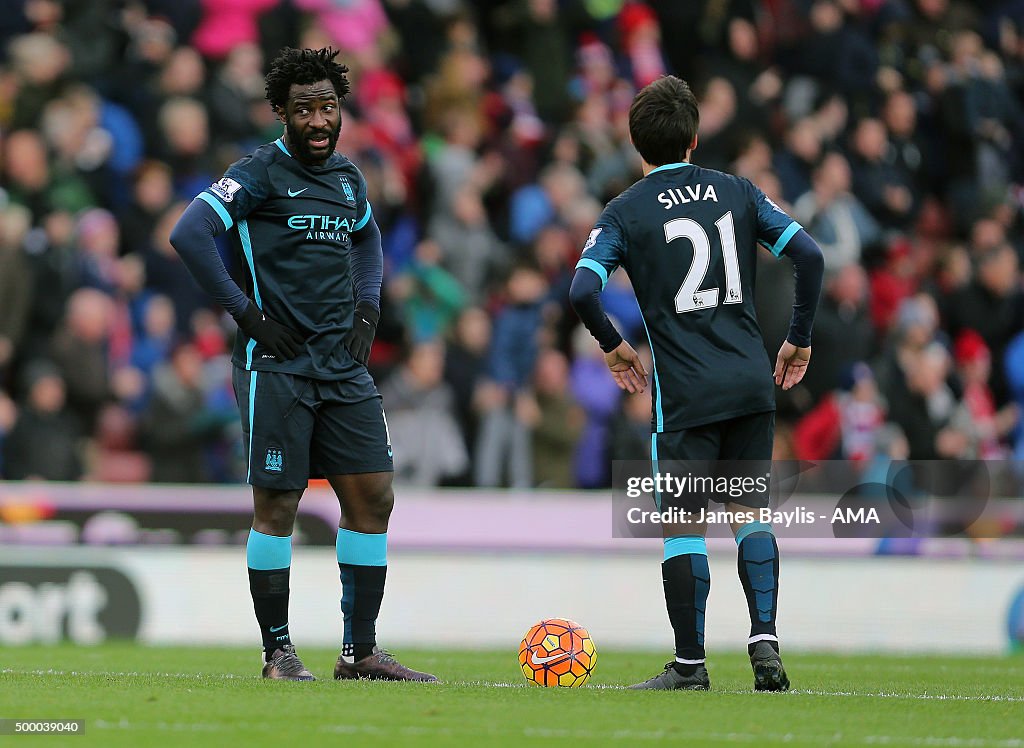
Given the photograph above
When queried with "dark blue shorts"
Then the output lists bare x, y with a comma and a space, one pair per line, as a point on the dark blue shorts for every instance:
733, 449
296, 428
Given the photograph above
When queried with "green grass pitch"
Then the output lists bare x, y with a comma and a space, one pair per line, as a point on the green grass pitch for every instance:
132, 696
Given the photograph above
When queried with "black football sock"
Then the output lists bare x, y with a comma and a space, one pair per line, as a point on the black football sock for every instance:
758, 565
687, 582
362, 561
269, 560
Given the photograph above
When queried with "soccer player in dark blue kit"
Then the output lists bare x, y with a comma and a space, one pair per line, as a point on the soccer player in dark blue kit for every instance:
688, 239
297, 217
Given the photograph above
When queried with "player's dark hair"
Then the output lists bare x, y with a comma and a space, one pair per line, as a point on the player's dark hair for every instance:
304, 66
663, 120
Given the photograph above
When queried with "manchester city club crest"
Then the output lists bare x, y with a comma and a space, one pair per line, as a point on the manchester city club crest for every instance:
275, 460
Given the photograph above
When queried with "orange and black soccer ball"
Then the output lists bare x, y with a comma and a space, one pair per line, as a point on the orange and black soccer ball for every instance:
557, 652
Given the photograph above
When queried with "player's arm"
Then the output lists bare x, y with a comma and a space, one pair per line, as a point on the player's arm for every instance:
624, 363
808, 272
779, 233
193, 239
603, 253
367, 261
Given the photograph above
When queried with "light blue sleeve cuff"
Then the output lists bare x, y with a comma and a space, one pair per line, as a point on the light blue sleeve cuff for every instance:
783, 240
214, 203
365, 219
597, 267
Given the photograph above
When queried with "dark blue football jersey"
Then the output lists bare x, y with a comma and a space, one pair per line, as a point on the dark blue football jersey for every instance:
687, 237
290, 225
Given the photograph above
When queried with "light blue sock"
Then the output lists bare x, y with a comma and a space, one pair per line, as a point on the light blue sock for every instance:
362, 561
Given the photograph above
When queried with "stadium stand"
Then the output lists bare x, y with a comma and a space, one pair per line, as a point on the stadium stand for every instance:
491, 134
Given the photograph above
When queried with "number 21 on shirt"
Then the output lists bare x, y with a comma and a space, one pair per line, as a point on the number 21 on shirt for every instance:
688, 298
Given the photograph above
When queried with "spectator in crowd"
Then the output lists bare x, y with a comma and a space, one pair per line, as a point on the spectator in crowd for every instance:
555, 420
41, 62
166, 273
894, 279
465, 370
155, 341
29, 180
878, 181
98, 240
504, 437
116, 457
176, 427
80, 352
235, 93
916, 327
934, 421
185, 131
839, 51
430, 297
470, 251
421, 419
992, 305
599, 397
719, 131
640, 39
549, 200
541, 42
453, 164
861, 413
227, 23
51, 256
15, 283
8, 417
152, 194
834, 216
794, 162
45, 441
907, 146
991, 426
756, 85
843, 333
845, 424
552, 251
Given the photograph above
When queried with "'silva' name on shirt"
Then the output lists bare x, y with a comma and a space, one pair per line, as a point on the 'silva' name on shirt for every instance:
686, 194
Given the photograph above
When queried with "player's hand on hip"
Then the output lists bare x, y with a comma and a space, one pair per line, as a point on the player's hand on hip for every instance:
364, 327
627, 368
282, 342
791, 364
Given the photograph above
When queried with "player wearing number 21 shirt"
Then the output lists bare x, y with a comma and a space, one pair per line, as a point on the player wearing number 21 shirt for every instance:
688, 239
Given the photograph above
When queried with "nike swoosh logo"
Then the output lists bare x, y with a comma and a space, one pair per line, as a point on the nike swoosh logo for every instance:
275, 629
296, 192
541, 660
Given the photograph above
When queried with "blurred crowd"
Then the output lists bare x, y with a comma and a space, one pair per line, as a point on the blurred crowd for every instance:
491, 134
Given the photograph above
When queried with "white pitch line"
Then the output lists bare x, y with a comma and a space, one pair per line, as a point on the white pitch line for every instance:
918, 696
794, 692
492, 684
625, 735
128, 674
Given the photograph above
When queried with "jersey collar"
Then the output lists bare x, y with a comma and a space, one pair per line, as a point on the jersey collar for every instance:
665, 167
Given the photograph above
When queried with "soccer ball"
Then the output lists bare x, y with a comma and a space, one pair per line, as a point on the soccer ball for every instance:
557, 652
